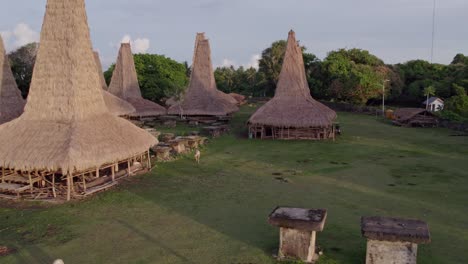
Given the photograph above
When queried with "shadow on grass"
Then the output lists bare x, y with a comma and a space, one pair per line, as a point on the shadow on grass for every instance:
155, 241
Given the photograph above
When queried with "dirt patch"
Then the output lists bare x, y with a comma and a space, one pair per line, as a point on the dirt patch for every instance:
5, 251
277, 173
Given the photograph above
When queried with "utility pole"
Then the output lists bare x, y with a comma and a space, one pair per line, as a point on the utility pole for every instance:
383, 96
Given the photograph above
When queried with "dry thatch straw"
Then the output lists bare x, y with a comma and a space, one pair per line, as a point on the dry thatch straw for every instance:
202, 97
11, 102
115, 105
293, 106
66, 126
124, 84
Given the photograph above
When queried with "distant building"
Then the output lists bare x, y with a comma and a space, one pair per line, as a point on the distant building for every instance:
435, 104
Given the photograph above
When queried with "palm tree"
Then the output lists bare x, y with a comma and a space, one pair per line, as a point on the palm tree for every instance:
429, 91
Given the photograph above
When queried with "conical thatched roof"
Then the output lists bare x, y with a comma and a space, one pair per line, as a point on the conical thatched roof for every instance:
202, 96
293, 106
66, 125
99, 69
11, 102
124, 84
115, 105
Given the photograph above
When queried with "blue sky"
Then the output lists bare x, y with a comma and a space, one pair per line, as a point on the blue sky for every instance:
395, 30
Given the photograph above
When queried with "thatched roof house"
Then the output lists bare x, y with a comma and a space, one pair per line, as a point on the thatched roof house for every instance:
202, 97
66, 127
117, 106
415, 117
124, 84
293, 113
11, 102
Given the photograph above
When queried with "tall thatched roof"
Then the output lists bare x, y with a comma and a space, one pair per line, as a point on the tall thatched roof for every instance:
115, 105
66, 125
11, 102
202, 96
293, 106
124, 84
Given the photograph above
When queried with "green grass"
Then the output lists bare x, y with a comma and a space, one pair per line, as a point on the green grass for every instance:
217, 212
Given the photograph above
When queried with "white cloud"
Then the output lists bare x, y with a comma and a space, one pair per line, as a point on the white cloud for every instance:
139, 45
254, 62
21, 35
228, 63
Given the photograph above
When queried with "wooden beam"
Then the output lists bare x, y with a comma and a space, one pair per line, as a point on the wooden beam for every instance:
128, 164
84, 181
30, 181
113, 173
149, 160
53, 186
68, 187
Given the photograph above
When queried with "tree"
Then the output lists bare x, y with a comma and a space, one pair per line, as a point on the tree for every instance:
460, 59
429, 91
159, 77
22, 63
270, 64
458, 104
354, 76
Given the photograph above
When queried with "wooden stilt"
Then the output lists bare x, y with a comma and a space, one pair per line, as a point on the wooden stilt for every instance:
113, 173
68, 187
72, 185
30, 181
3, 174
54, 192
97, 173
149, 160
84, 181
128, 164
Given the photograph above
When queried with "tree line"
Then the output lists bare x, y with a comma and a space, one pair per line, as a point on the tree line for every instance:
346, 75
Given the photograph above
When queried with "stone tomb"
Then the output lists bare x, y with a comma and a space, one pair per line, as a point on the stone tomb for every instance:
298, 229
392, 240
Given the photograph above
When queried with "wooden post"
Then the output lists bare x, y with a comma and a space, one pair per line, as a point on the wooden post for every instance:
84, 181
53, 186
113, 173
97, 173
30, 181
128, 164
149, 161
3, 174
68, 187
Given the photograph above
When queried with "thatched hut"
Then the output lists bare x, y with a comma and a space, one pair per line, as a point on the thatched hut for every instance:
117, 106
66, 142
124, 84
293, 113
415, 117
202, 97
11, 102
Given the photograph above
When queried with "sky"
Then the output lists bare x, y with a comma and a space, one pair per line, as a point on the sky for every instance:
394, 30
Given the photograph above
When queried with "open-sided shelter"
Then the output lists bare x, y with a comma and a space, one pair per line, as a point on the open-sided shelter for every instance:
293, 113
66, 141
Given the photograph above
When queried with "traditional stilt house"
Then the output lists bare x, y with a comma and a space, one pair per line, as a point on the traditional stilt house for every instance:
66, 143
124, 84
202, 97
115, 105
293, 113
11, 102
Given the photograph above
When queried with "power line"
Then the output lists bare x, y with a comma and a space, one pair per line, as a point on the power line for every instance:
433, 30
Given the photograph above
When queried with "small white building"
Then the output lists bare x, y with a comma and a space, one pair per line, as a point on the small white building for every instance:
435, 104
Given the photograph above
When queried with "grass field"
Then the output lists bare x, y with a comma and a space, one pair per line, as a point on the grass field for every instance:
217, 212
